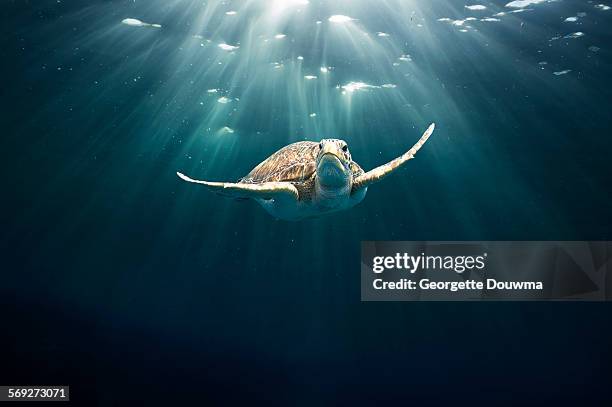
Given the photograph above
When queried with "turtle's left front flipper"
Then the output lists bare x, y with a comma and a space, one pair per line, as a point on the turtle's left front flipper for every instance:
267, 190
379, 173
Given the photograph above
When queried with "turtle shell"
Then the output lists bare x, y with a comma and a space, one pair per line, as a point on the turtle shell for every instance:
293, 163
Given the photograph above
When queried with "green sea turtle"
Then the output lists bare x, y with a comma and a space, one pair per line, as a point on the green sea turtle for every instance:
309, 179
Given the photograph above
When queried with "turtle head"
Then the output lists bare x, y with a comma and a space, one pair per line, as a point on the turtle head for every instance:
334, 173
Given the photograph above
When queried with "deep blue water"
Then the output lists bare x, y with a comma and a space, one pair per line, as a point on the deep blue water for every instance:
127, 283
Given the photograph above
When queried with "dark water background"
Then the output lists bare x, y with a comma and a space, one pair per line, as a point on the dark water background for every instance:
127, 284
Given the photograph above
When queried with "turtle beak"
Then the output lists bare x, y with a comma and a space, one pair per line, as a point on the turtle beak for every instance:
330, 162
330, 169
331, 154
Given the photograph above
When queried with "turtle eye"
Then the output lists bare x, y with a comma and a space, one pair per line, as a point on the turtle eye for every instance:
345, 148
321, 145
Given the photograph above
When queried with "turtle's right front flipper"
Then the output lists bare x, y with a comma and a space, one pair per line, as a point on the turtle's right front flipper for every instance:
382, 171
267, 190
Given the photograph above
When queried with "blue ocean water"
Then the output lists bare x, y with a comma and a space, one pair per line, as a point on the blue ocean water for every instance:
127, 283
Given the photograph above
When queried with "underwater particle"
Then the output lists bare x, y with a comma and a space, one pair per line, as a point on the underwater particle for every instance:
563, 72
523, 3
231, 13
353, 86
577, 34
226, 130
280, 36
301, 58
594, 48
500, 14
227, 47
312, 115
339, 18
382, 34
490, 19
134, 22
224, 100
444, 19
581, 14
463, 30
310, 77
602, 7
405, 58
476, 7
212, 90
543, 63
389, 86
458, 22
319, 22
571, 20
